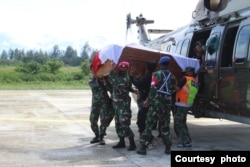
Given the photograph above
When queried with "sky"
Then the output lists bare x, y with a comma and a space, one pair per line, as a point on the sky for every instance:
40, 24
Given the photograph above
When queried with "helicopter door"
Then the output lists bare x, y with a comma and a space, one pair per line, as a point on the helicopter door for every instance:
212, 78
228, 93
241, 66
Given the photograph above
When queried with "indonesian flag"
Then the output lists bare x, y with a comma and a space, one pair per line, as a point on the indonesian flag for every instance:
109, 54
96, 62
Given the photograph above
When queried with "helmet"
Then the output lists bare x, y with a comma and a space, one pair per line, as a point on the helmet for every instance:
123, 64
164, 60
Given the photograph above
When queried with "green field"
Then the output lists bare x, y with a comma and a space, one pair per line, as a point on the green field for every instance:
66, 78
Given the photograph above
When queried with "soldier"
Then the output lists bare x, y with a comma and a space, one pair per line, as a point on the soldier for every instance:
159, 101
143, 85
199, 52
122, 85
101, 107
186, 91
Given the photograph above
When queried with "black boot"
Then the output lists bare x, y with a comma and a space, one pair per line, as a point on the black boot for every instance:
101, 142
167, 149
120, 144
132, 145
159, 134
142, 150
95, 139
150, 143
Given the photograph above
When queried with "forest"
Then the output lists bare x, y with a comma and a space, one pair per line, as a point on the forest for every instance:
39, 69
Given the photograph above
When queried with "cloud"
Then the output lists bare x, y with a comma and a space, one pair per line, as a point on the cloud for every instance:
5, 43
37, 24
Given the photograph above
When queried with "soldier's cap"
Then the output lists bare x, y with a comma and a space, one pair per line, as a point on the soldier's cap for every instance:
164, 60
123, 64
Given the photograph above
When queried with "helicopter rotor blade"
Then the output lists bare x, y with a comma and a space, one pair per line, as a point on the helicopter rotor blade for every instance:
129, 20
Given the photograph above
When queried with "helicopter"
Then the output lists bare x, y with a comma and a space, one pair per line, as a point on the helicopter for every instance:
223, 29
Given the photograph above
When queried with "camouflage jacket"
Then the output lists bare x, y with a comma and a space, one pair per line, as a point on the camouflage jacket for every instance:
99, 92
121, 84
157, 81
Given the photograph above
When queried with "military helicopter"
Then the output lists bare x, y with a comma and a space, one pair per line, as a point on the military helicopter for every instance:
223, 29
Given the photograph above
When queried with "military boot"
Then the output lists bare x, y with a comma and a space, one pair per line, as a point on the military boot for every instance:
95, 139
132, 145
120, 144
167, 149
142, 150
101, 141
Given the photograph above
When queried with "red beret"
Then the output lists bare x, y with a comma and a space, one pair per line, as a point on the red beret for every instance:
123, 64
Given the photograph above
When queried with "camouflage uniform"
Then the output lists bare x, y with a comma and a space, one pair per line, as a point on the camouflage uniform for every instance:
159, 108
180, 123
121, 84
101, 107
121, 101
107, 111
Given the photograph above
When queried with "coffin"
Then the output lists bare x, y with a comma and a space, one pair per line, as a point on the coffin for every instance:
137, 55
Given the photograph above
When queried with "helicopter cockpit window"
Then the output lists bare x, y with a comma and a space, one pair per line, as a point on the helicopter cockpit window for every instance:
184, 47
178, 48
242, 46
168, 48
211, 48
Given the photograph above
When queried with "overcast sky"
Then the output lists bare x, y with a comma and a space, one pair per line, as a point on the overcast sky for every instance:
41, 24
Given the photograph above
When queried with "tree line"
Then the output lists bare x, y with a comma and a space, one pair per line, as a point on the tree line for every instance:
68, 57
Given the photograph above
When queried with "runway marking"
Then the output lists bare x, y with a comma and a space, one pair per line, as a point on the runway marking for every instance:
43, 120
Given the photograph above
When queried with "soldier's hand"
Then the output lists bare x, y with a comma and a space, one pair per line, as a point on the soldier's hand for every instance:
145, 104
135, 91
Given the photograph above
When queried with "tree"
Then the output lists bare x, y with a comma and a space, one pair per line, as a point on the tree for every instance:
4, 55
18, 55
11, 54
30, 54
86, 50
29, 68
85, 67
53, 66
55, 52
70, 57
40, 57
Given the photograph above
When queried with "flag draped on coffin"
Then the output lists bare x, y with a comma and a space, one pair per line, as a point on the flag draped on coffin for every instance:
106, 59
137, 55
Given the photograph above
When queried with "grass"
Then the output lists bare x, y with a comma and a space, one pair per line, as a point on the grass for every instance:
67, 78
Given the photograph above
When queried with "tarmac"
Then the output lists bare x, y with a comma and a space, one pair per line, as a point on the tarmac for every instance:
50, 128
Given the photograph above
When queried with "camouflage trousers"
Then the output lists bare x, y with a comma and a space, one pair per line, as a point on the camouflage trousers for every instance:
156, 113
180, 123
105, 112
123, 118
